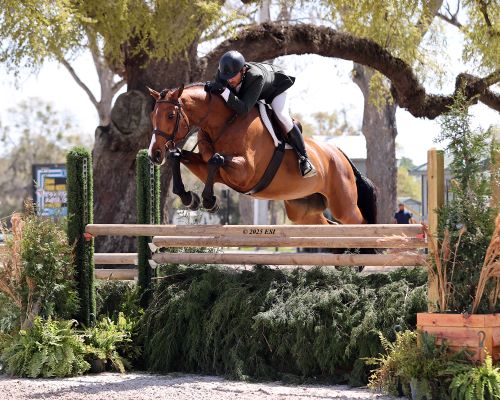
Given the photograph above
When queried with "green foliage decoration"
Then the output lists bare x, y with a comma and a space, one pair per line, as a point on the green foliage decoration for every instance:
470, 206
37, 274
271, 324
9, 315
148, 212
477, 382
80, 213
110, 342
47, 261
49, 348
113, 297
414, 363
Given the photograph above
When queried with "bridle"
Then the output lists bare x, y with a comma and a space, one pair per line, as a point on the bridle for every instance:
170, 138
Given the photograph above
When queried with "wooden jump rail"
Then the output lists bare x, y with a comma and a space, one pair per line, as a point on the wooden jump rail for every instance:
403, 237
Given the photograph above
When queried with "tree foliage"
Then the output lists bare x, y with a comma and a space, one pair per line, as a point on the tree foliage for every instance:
408, 186
36, 133
35, 31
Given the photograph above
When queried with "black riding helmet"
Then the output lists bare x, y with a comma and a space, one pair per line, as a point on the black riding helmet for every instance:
230, 64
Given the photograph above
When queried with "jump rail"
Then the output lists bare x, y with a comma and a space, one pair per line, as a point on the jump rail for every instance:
386, 236
376, 230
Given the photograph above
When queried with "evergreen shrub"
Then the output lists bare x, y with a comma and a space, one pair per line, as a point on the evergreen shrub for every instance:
113, 297
466, 223
275, 324
37, 277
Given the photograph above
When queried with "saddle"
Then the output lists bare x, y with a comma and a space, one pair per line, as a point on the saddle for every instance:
273, 124
279, 136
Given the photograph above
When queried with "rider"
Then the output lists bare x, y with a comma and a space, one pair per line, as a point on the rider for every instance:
241, 84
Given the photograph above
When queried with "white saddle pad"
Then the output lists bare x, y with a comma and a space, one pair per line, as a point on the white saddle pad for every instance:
269, 125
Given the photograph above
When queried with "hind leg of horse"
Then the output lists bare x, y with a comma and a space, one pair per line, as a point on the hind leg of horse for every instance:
342, 198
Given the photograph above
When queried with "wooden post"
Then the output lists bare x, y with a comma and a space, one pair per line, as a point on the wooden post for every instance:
435, 199
495, 171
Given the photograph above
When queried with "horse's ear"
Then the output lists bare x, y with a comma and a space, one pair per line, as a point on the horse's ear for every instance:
153, 93
179, 91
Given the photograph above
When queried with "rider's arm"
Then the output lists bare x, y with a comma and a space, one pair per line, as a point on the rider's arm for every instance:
245, 103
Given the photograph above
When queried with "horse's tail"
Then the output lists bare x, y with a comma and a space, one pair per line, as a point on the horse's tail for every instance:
367, 194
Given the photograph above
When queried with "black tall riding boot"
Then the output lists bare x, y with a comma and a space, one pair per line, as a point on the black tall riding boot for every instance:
297, 141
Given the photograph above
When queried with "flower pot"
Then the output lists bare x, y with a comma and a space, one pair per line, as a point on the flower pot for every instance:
478, 333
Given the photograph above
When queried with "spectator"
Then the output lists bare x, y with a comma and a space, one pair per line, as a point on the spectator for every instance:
403, 216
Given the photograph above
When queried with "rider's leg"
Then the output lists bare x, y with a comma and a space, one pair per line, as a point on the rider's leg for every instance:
280, 107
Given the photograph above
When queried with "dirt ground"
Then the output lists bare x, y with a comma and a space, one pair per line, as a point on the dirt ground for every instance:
141, 386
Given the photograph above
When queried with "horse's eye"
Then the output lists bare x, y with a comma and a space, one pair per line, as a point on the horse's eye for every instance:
171, 116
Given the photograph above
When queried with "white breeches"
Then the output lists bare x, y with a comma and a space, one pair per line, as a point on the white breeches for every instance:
281, 109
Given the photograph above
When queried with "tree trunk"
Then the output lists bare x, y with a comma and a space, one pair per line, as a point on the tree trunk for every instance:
379, 129
245, 205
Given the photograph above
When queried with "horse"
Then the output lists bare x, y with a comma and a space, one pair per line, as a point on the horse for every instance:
236, 150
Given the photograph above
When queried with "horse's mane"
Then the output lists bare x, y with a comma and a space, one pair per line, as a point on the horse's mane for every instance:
164, 92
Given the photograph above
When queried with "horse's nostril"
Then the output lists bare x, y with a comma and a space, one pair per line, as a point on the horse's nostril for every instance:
157, 156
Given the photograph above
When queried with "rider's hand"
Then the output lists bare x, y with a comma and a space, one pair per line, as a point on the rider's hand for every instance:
214, 87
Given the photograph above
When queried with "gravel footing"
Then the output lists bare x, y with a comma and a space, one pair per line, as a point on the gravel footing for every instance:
141, 386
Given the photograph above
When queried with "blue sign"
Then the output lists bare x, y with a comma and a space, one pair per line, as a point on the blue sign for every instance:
50, 194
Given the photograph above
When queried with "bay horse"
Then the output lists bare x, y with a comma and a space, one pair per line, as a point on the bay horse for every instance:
236, 150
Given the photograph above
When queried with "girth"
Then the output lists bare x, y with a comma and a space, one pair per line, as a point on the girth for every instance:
274, 164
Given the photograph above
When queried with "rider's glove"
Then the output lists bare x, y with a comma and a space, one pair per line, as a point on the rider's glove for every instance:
214, 87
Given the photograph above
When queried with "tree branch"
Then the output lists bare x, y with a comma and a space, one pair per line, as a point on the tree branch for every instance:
79, 81
451, 20
118, 85
483, 7
270, 40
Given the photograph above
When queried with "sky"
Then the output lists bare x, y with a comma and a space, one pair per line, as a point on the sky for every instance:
322, 84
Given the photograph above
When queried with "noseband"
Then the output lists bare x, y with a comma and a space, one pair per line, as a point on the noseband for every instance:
170, 138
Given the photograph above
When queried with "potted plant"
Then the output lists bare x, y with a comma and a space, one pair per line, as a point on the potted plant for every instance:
464, 258
415, 365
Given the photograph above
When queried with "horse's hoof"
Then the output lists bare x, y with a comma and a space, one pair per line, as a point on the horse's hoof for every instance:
211, 205
195, 201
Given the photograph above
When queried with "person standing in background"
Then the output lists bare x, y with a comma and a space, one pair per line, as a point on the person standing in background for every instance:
403, 216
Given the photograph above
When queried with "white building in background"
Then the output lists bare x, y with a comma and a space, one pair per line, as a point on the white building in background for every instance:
354, 147
421, 173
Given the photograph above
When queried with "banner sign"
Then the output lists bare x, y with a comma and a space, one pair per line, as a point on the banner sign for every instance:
50, 194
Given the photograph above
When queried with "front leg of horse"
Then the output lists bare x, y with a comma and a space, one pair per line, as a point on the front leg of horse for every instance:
189, 199
210, 202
